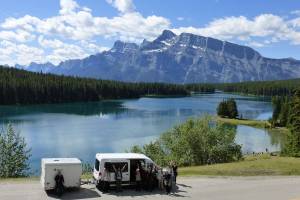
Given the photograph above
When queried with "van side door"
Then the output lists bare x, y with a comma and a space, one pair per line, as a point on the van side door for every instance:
119, 164
126, 172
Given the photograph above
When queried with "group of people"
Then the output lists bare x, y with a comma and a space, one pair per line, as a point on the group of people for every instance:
145, 177
156, 177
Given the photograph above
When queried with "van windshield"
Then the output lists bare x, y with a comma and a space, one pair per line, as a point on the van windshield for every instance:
118, 165
97, 164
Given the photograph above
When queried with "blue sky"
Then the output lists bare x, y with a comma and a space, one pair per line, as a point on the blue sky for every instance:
56, 30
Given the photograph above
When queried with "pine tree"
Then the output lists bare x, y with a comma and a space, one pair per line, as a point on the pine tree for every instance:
232, 109
284, 114
14, 154
222, 109
292, 147
276, 102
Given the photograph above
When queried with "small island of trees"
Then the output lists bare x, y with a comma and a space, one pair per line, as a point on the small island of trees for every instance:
228, 108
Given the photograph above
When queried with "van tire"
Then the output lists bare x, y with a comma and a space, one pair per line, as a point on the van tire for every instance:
99, 185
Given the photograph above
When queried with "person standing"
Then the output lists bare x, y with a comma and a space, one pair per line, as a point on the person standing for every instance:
175, 172
168, 182
151, 178
160, 178
138, 178
119, 177
59, 183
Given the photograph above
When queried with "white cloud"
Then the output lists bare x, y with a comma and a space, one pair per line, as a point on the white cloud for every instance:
73, 32
131, 26
25, 23
19, 35
78, 23
243, 29
12, 53
68, 6
60, 51
93, 48
256, 44
295, 12
50, 43
67, 52
124, 6
180, 18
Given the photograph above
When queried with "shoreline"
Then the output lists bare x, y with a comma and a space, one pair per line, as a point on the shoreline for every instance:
262, 124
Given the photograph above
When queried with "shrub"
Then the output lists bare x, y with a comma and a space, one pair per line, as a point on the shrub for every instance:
195, 142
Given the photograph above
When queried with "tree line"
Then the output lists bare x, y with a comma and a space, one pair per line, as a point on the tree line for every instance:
23, 87
263, 88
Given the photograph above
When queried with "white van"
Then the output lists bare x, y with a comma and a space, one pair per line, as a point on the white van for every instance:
127, 161
70, 168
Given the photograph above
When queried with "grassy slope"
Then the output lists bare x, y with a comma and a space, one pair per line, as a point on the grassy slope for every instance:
261, 165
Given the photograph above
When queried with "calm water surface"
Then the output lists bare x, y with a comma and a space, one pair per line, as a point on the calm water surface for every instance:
83, 129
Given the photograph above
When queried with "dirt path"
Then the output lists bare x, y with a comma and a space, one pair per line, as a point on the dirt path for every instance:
231, 188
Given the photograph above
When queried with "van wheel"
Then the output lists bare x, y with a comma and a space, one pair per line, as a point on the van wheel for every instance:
99, 185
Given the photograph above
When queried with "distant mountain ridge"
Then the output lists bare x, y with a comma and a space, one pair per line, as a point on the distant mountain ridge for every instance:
184, 58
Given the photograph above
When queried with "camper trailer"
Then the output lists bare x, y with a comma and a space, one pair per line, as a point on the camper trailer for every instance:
70, 168
126, 161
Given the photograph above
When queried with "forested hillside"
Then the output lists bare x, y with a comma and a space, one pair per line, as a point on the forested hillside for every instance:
23, 87
265, 88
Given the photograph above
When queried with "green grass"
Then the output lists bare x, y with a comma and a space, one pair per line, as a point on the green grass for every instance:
247, 122
86, 176
261, 165
21, 179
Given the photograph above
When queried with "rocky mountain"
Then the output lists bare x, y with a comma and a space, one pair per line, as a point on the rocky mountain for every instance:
184, 58
36, 67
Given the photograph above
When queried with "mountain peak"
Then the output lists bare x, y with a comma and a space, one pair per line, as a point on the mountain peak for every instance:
121, 47
145, 43
166, 35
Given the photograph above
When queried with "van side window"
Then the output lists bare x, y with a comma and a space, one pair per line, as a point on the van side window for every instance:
97, 164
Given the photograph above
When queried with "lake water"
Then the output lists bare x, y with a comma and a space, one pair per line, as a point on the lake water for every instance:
83, 129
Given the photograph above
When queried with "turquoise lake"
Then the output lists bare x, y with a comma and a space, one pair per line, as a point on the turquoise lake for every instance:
83, 129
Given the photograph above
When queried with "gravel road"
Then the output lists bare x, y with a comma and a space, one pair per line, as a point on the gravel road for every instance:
225, 188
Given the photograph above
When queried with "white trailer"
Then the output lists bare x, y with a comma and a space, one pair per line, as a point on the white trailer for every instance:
70, 168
